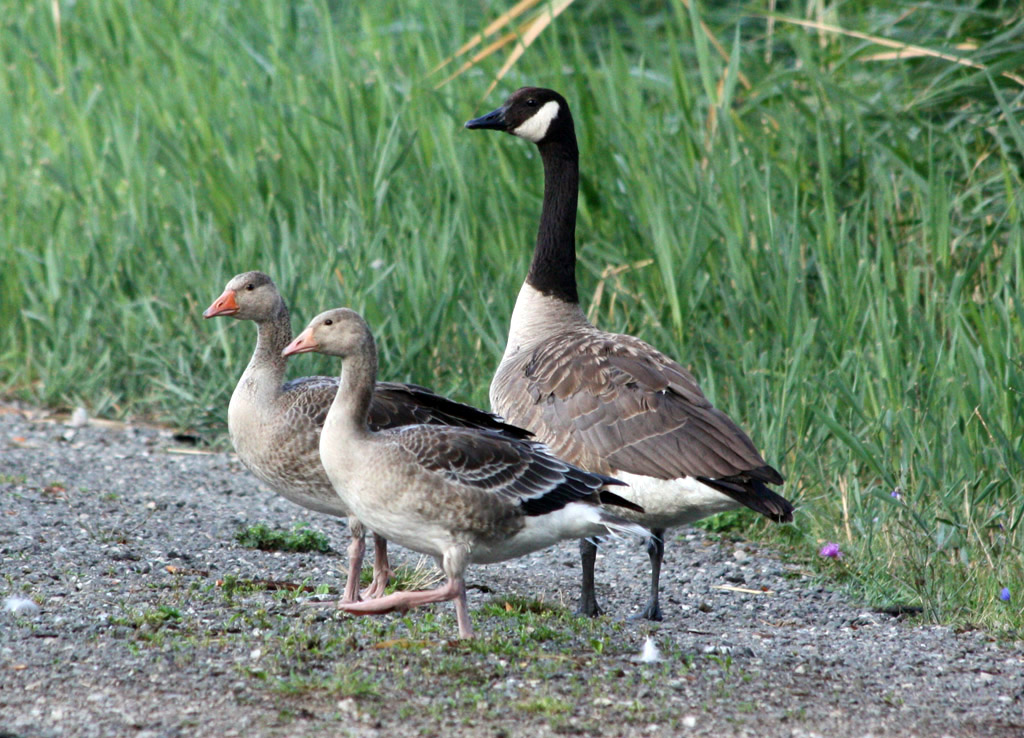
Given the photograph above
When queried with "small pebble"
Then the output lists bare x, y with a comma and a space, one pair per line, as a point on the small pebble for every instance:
79, 418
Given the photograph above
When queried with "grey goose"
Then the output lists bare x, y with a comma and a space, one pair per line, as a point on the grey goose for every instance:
460, 495
609, 402
275, 425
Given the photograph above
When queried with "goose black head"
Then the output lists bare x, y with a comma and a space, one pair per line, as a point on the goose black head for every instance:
533, 113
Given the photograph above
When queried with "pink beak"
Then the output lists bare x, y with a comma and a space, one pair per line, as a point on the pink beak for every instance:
304, 343
223, 305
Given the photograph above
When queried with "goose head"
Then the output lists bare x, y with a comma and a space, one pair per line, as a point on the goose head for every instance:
534, 113
248, 296
339, 332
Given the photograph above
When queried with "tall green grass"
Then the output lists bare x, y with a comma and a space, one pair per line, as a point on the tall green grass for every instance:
836, 250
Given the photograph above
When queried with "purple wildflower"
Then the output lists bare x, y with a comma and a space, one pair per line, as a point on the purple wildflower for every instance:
896, 494
831, 550
1004, 594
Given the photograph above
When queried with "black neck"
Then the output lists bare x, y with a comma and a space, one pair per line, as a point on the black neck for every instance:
553, 270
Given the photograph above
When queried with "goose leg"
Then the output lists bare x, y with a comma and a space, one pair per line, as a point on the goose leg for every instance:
381, 569
403, 600
356, 550
453, 589
656, 550
588, 597
462, 612
454, 565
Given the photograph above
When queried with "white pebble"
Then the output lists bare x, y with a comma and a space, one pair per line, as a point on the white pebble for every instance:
79, 418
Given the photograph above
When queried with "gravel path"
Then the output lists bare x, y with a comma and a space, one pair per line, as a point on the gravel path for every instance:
153, 621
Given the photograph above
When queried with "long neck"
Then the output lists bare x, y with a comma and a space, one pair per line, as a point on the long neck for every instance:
267, 365
553, 270
352, 402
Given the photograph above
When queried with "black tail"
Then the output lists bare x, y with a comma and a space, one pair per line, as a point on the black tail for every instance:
754, 494
608, 497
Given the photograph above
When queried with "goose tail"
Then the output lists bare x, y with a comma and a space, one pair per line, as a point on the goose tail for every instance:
620, 527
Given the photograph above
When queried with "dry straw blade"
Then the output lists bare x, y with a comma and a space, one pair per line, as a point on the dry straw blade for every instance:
530, 30
524, 36
904, 51
502, 20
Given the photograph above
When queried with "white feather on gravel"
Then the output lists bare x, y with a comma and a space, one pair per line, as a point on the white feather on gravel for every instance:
650, 653
20, 605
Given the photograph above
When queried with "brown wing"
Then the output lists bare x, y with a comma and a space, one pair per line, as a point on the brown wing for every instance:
394, 404
307, 400
613, 402
523, 473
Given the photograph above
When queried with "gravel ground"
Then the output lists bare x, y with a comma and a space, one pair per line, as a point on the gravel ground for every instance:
152, 621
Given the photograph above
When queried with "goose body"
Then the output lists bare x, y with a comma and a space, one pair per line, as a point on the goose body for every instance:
611, 402
275, 425
460, 495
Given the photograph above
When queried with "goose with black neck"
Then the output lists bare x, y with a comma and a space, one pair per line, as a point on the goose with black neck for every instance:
611, 402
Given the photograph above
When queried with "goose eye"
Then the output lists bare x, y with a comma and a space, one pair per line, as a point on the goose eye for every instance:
328, 322
531, 102
250, 287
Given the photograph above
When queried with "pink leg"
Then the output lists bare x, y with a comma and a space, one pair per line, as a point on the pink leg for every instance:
404, 600
454, 563
356, 550
462, 612
381, 569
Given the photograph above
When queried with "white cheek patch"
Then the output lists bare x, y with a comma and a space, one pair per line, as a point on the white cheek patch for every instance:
535, 128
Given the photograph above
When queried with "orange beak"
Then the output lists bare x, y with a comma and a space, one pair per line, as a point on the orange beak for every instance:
304, 343
223, 305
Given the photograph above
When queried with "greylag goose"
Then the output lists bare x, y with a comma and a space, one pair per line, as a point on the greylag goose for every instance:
460, 495
275, 425
609, 402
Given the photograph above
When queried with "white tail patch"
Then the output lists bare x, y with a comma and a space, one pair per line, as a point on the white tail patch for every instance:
535, 128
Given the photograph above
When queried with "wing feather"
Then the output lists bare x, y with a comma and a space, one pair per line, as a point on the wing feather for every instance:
520, 472
613, 402
394, 404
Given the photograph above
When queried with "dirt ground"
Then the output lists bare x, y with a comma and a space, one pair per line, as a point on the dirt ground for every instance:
146, 618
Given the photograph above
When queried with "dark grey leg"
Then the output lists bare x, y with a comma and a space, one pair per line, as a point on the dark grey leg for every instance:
655, 549
588, 598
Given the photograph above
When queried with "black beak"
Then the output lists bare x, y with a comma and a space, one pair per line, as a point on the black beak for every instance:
494, 120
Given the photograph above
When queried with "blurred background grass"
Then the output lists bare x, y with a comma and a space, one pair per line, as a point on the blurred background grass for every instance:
828, 236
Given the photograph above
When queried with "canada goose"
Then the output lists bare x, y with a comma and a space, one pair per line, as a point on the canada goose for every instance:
460, 495
609, 402
275, 425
